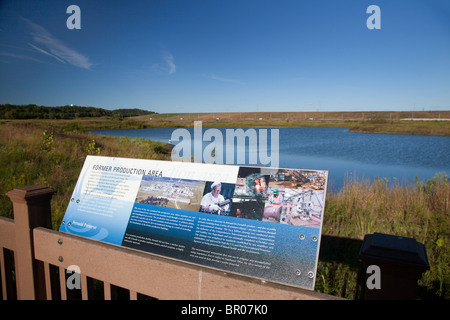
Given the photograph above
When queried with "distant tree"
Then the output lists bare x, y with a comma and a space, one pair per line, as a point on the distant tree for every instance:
32, 111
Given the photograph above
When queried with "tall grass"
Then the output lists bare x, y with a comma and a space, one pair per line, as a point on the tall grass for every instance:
420, 210
368, 206
37, 154
31, 154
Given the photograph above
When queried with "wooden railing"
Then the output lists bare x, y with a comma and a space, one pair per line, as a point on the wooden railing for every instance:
34, 261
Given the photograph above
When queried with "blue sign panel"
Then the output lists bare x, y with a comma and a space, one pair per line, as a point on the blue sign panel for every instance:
261, 222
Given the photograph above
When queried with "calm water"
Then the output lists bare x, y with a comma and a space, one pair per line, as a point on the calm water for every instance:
344, 154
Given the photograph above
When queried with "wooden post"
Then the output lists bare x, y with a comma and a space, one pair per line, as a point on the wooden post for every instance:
31, 207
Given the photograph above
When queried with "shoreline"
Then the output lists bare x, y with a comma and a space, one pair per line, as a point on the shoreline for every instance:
434, 123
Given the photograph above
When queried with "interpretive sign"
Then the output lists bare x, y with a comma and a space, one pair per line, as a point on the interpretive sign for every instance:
256, 221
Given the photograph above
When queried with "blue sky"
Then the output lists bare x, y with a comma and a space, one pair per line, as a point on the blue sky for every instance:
216, 56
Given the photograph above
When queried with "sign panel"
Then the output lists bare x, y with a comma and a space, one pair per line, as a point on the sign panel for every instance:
256, 221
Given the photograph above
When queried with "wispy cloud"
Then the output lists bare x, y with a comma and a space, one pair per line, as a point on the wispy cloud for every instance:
46, 53
168, 58
55, 48
168, 67
18, 56
223, 79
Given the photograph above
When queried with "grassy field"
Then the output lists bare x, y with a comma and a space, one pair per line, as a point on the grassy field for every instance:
429, 123
52, 154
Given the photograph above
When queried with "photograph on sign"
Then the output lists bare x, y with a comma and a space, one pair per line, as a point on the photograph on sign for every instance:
260, 222
170, 192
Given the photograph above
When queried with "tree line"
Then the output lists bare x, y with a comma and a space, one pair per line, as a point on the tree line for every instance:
32, 111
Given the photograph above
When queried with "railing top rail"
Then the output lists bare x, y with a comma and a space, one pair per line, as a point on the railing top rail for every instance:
154, 275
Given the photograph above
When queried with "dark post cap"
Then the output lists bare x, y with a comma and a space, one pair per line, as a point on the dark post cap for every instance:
396, 250
30, 193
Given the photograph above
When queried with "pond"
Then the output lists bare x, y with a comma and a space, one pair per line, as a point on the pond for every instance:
344, 154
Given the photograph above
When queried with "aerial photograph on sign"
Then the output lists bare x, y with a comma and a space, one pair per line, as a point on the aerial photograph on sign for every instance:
171, 192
